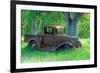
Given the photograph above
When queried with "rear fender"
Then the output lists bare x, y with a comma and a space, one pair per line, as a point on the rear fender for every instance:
65, 43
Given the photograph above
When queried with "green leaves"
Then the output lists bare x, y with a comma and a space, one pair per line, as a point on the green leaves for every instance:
44, 18
26, 20
84, 26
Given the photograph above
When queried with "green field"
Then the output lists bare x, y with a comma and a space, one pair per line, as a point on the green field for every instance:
28, 55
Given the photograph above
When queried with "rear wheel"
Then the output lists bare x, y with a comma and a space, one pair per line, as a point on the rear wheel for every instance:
33, 44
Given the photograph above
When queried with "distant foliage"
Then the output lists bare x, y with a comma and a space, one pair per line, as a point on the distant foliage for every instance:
26, 21
84, 26
40, 19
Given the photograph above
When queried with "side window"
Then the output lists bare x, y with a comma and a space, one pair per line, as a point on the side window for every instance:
49, 29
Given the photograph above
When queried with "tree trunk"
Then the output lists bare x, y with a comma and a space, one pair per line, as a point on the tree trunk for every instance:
72, 23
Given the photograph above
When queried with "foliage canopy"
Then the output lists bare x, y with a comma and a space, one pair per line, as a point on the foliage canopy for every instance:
43, 18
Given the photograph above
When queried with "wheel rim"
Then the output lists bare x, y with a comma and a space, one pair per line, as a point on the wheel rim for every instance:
34, 45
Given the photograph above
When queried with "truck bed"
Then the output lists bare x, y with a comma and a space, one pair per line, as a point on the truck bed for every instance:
29, 37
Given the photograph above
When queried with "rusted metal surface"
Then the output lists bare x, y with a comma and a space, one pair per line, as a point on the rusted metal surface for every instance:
52, 41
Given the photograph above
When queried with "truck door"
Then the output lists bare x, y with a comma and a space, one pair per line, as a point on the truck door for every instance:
48, 40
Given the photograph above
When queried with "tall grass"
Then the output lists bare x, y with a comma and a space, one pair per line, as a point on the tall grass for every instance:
28, 55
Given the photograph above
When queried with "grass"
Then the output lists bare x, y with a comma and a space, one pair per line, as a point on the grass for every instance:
28, 55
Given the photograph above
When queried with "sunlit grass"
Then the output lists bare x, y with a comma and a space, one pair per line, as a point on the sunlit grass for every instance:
28, 55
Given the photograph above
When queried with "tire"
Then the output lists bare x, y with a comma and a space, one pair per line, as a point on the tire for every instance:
33, 44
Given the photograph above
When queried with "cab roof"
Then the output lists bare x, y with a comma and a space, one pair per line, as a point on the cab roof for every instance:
55, 26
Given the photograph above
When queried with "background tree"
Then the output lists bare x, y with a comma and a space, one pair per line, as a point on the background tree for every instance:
76, 24
72, 21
